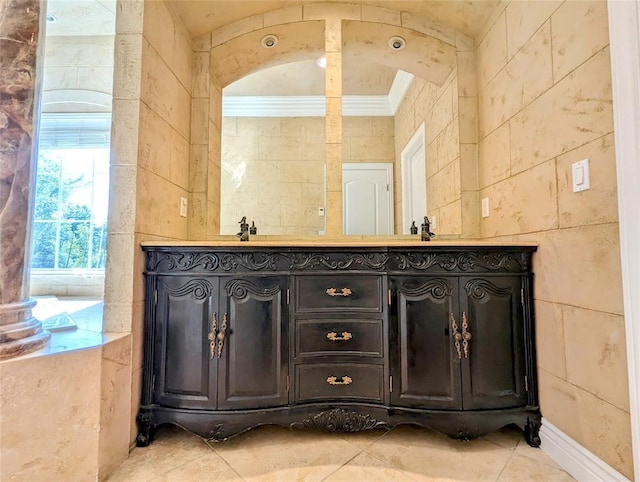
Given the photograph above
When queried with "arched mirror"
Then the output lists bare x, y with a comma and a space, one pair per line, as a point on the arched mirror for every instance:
273, 136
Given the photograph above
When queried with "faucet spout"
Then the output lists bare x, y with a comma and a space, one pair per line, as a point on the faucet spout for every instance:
244, 229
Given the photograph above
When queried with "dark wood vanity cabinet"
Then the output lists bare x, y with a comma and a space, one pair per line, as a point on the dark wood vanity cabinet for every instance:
340, 338
458, 342
220, 343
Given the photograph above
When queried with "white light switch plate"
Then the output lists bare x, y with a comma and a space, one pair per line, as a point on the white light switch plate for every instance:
580, 175
183, 207
485, 207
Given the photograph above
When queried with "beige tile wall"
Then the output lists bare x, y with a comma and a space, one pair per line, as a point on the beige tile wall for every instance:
544, 96
273, 173
151, 147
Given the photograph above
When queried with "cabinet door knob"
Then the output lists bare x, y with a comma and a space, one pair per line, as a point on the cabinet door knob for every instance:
345, 380
333, 336
334, 292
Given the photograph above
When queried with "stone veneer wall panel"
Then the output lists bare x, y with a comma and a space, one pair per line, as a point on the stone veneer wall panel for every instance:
41, 396
544, 103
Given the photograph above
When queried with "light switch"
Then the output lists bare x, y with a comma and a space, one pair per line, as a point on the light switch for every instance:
580, 175
183, 207
485, 207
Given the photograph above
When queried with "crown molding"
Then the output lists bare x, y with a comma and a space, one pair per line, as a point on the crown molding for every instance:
315, 105
398, 89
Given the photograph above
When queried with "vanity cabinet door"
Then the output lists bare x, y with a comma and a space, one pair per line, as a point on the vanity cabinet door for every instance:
184, 369
424, 364
493, 368
253, 358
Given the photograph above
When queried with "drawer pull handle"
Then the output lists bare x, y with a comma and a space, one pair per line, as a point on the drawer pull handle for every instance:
345, 380
333, 336
212, 337
334, 292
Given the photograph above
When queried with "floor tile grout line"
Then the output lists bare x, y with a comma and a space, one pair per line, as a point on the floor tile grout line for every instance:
333, 472
226, 462
513, 451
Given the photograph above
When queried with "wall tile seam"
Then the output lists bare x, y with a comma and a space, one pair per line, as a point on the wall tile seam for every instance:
156, 238
555, 157
173, 72
165, 121
583, 389
582, 308
542, 232
555, 82
164, 179
509, 60
438, 35
490, 23
179, 25
533, 100
548, 19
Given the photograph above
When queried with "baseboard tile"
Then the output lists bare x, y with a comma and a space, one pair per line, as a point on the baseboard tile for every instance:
581, 464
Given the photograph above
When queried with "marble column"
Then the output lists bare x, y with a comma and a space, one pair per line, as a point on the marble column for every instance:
21, 26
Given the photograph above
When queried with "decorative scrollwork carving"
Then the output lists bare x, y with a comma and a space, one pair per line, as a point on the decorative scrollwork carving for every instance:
419, 261
478, 288
339, 261
438, 288
339, 420
372, 260
199, 288
470, 261
311, 260
239, 289
250, 261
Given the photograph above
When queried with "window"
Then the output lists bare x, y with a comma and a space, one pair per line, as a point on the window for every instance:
72, 188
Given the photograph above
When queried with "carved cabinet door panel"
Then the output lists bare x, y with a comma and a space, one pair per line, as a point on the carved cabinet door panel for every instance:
424, 364
493, 368
185, 375
253, 354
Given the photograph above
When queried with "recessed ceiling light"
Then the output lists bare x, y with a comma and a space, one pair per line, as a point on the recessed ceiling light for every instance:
269, 41
322, 62
51, 18
397, 43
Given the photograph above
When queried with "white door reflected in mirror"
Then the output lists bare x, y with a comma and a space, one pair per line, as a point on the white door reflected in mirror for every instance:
414, 180
367, 198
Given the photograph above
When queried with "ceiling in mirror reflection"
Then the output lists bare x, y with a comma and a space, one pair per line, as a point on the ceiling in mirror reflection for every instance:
307, 78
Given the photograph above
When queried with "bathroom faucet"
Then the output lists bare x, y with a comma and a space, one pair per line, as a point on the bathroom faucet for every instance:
244, 229
426, 233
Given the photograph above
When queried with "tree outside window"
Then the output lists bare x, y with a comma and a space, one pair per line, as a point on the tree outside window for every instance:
70, 229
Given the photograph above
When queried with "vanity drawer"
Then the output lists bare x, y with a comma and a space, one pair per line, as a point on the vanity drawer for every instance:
335, 381
359, 337
338, 293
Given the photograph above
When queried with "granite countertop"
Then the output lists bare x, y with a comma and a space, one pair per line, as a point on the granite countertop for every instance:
266, 241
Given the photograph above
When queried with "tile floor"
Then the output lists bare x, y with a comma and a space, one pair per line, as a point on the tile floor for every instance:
403, 454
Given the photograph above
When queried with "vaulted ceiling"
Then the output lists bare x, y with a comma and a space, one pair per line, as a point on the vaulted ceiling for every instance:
202, 16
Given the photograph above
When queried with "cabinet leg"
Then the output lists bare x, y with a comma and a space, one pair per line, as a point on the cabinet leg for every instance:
532, 432
146, 430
